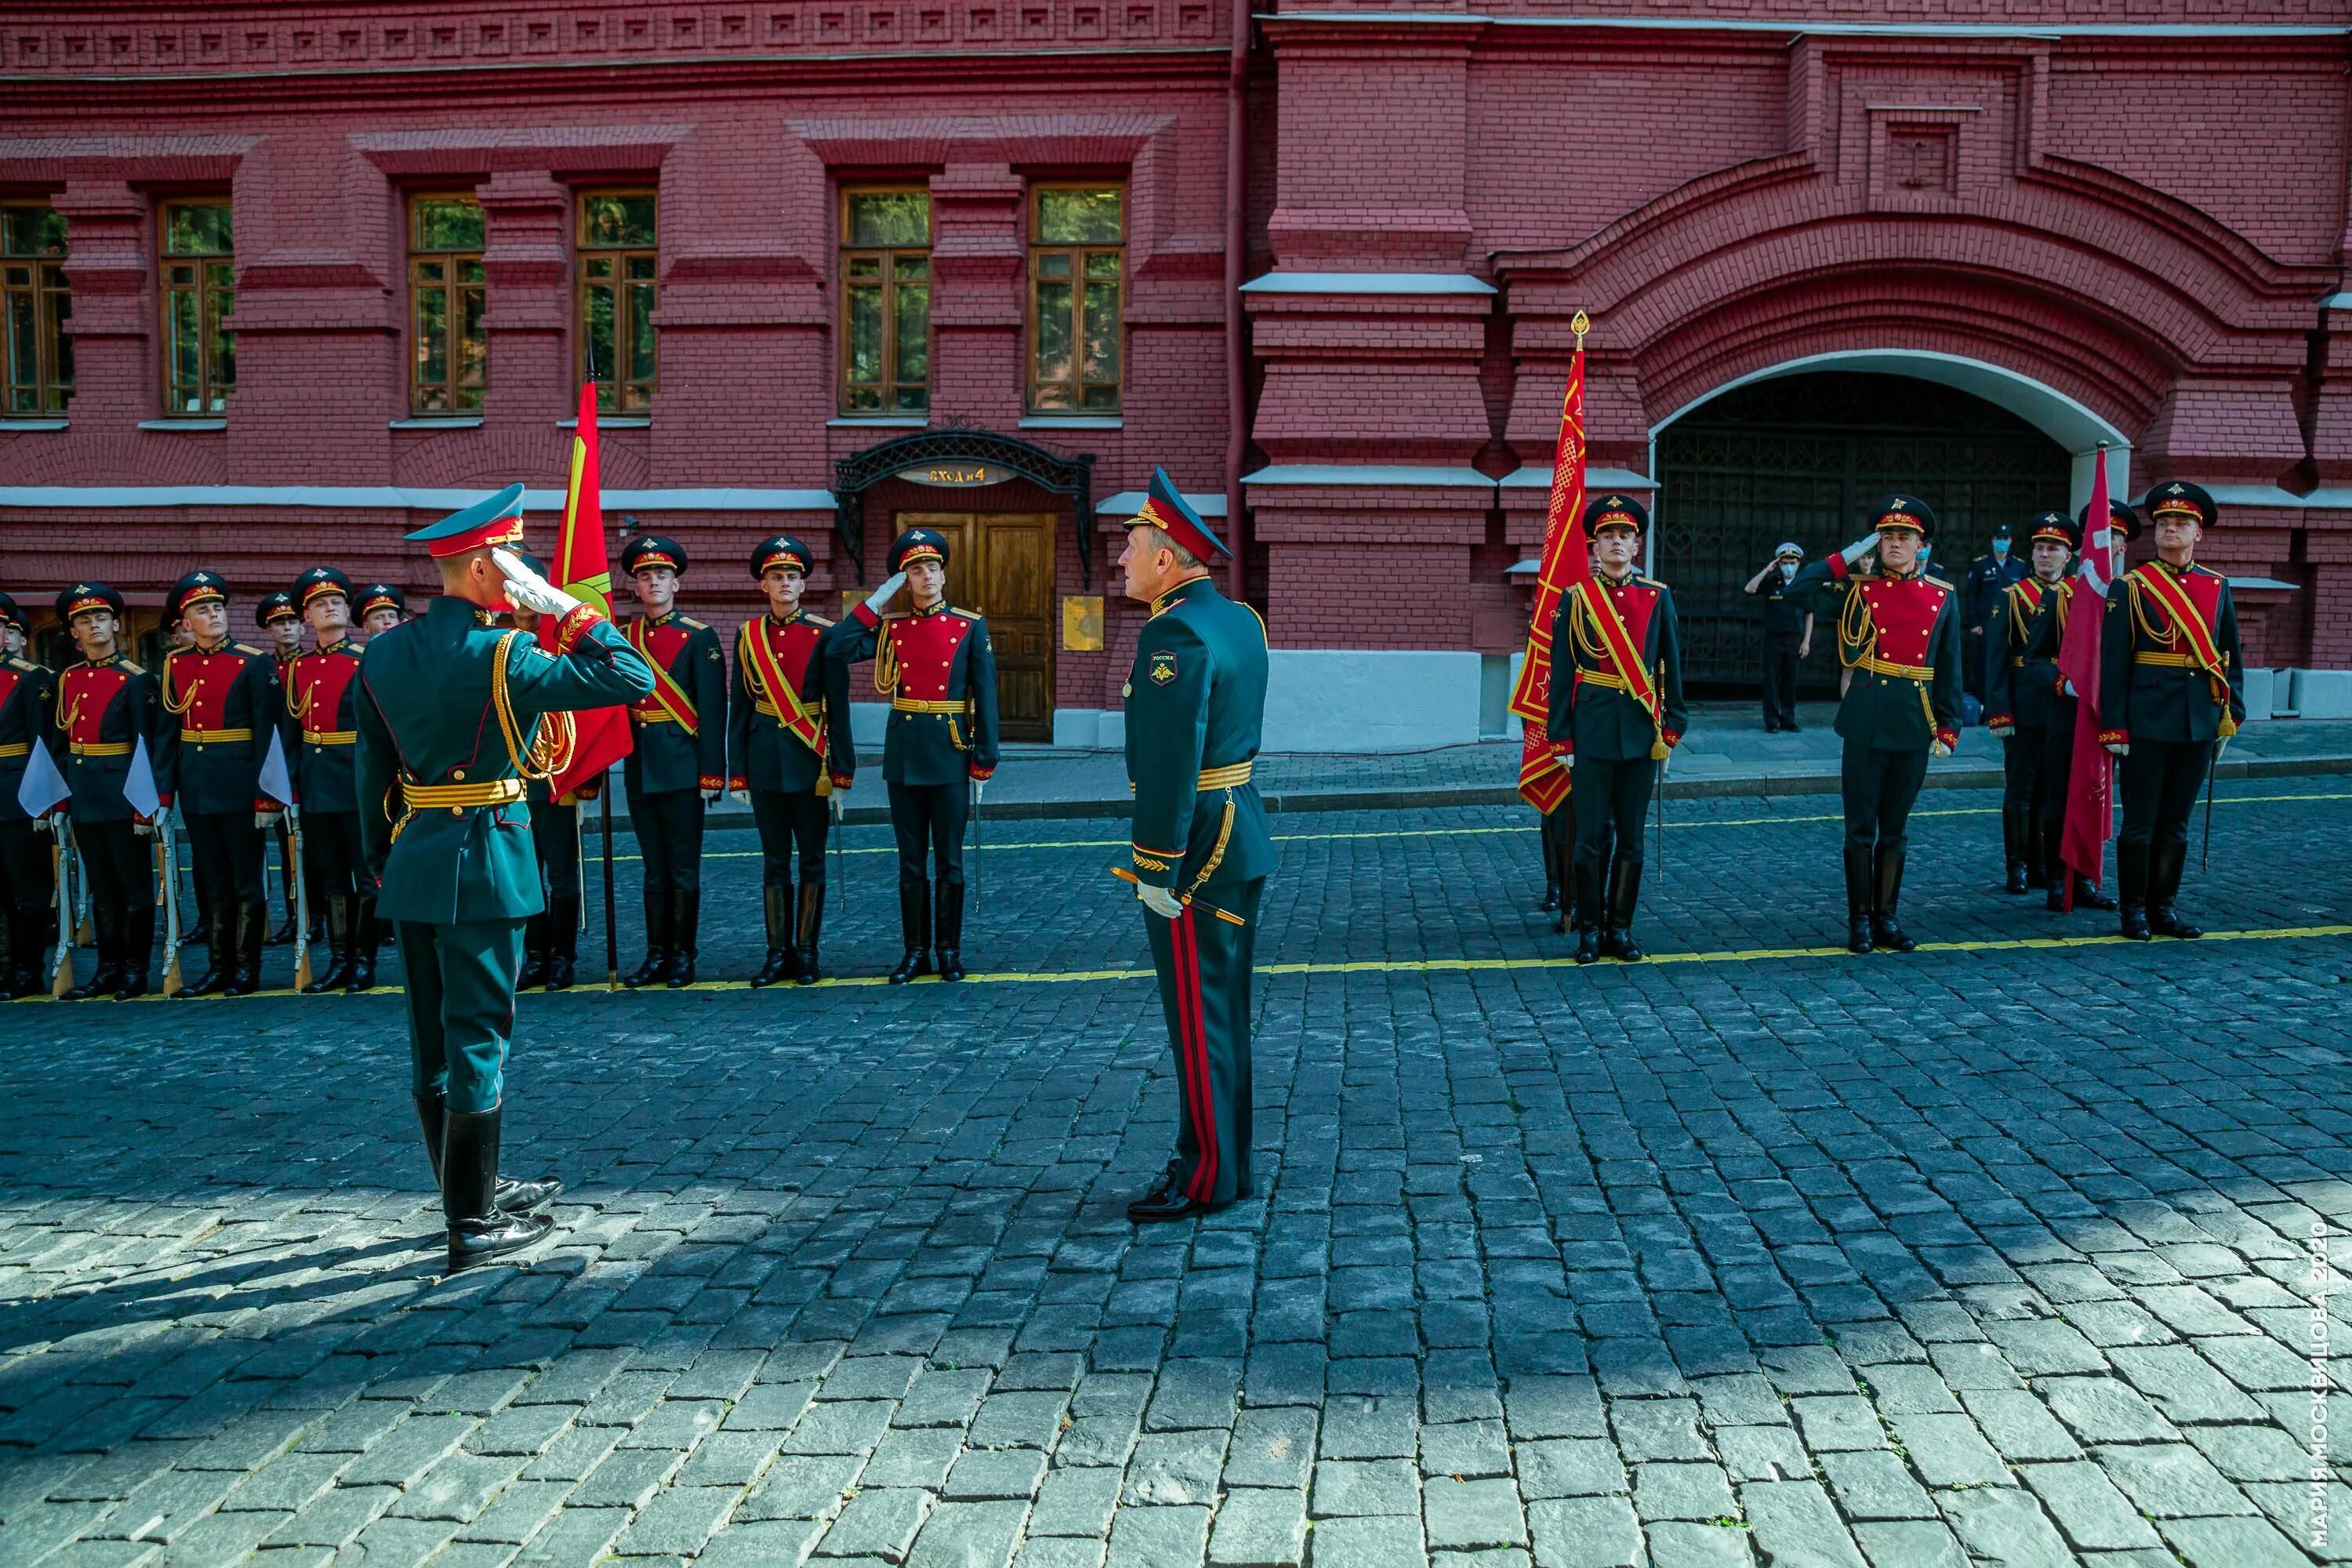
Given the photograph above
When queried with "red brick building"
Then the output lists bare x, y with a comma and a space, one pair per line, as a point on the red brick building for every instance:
282, 279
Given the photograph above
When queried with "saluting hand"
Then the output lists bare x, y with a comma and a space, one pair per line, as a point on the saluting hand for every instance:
529, 589
886, 591
1853, 553
1159, 901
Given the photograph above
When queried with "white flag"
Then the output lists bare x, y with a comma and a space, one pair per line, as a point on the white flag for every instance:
274, 781
139, 789
42, 787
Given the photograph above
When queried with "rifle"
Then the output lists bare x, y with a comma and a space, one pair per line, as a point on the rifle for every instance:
977, 789
302, 899
840, 878
167, 854
65, 868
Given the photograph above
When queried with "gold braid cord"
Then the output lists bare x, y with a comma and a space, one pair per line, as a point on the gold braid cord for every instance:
885, 663
553, 740
175, 709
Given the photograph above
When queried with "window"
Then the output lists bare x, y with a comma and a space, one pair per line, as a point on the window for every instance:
34, 307
1077, 261
886, 301
446, 294
616, 299
199, 296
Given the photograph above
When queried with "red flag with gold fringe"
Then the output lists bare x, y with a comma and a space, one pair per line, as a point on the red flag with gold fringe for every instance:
581, 567
1566, 561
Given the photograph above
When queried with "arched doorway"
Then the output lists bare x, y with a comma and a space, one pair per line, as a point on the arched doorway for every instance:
1798, 457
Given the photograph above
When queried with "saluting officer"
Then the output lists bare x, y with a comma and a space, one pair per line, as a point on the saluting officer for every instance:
381, 607
2040, 672
1788, 633
1621, 707
1196, 718
2171, 685
450, 718
222, 703
550, 939
278, 618
788, 749
936, 667
2018, 709
1899, 638
28, 700
678, 766
106, 706
319, 734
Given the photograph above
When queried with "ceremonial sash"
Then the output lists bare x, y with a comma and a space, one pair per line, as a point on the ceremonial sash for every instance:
668, 692
2025, 598
2188, 624
1619, 643
792, 715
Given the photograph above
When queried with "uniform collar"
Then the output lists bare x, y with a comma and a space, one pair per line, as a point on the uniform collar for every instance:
1889, 575
341, 643
1624, 582
776, 620
664, 618
2175, 571
939, 608
1181, 592
201, 651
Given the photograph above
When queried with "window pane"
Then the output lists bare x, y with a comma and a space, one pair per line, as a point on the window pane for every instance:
1052, 347
473, 344
24, 351
431, 336
32, 231
914, 301
185, 349
596, 332
221, 303
471, 273
1102, 264
865, 267
1102, 333
641, 333
448, 223
600, 267
1055, 265
890, 218
1079, 216
193, 229
639, 266
63, 312
914, 269
865, 335
616, 220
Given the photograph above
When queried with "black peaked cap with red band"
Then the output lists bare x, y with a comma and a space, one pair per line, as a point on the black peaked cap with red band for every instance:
1903, 511
1622, 510
2181, 497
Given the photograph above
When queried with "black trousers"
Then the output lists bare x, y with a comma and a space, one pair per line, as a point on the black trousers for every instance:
333, 855
668, 825
2057, 768
1879, 787
928, 821
1204, 967
1611, 799
2159, 781
555, 834
2025, 769
1779, 681
226, 847
787, 819
121, 867
28, 876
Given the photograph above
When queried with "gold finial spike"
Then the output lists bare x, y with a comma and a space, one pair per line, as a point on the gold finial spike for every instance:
1581, 325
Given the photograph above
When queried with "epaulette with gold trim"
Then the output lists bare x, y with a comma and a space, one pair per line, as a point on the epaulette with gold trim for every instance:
814, 620
248, 650
133, 668
692, 624
1938, 582
967, 615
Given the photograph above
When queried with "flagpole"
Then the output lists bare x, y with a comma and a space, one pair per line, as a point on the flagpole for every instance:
612, 913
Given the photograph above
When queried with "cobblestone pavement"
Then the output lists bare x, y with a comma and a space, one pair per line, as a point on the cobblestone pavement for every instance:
2000, 1252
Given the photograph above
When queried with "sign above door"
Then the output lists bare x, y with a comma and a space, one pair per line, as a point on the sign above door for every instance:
956, 476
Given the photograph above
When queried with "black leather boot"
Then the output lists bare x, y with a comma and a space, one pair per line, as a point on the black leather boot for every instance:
367, 936
108, 973
776, 903
2165, 864
1886, 893
339, 939
1551, 867
658, 938
16, 973
1625, 894
252, 928
479, 1229
220, 954
2041, 861
950, 930
514, 1197
685, 922
138, 953
2131, 891
535, 932
2014, 830
1857, 899
1585, 897
563, 940
914, 929
811, 922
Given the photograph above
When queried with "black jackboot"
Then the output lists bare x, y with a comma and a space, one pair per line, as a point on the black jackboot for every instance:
339, 939
252, 930
1624, 893
2165, 864
515, 1197
914, 929
15, 972
563, 940
109, 974
685, 921
536, 929
367, 936
1585, 897
2131, 891
1857, 899
1551, 866
811, 922
138, 951
2015, 824
657, 942
478, 1229
1885, 930
949, 936
220, 954
776, 903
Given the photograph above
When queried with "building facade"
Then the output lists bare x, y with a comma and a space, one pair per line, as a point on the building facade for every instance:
281, 280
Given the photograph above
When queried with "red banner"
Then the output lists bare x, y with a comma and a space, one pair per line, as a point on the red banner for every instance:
1566, 562
582, 568
2090, 795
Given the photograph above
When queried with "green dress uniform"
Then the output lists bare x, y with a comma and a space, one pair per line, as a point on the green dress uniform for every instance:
450, 722
106, 710
677, 762
321, 733
222, 707
939, 671
1195, 705
1899, 640
1621, 707
787, 748
28, 702
2026, 709
2171, 685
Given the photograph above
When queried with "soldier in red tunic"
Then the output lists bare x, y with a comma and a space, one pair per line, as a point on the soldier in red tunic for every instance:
322, 733
105, 708
2040, 672
28, 700
2019, 710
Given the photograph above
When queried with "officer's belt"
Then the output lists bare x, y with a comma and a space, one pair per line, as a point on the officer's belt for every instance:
813, 709
2016, 662
924, 705
17, 748
202, 736
329, 737
456, 798
1608, 678
658, 716
98, 748
1229, 777
1895, 671
2166, 660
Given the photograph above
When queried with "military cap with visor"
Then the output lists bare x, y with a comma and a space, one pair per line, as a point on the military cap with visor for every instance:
652, 549
918, 544
274, 609
198, 587
320, 581
381, 596
1903, 511
2120, 517
781, 549
1165, 509
2178, 498
11, 615
494, 520
83, 597
1615, 510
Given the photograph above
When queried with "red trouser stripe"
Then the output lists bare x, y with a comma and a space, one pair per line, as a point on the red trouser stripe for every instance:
1186, 947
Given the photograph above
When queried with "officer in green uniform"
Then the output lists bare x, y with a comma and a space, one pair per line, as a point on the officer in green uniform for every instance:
320, 734
28, 702
550, 939
222, 705
936, 667
106, 708
283, 625
449, 721
1899, 638
2171, 690
1195, 712
677, 766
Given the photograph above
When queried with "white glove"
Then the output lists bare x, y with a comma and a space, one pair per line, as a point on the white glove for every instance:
740, 796
45, 822
1159, 901
265, 820
2003, 731
143, 829
529, 589
1853, 553
2119, 748
2069, 690
710, 796
1938, 749
886, 592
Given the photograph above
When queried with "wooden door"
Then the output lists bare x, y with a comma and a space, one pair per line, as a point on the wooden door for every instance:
1001, 567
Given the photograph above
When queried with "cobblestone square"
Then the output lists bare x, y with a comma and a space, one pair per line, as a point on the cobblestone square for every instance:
2001, 1252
